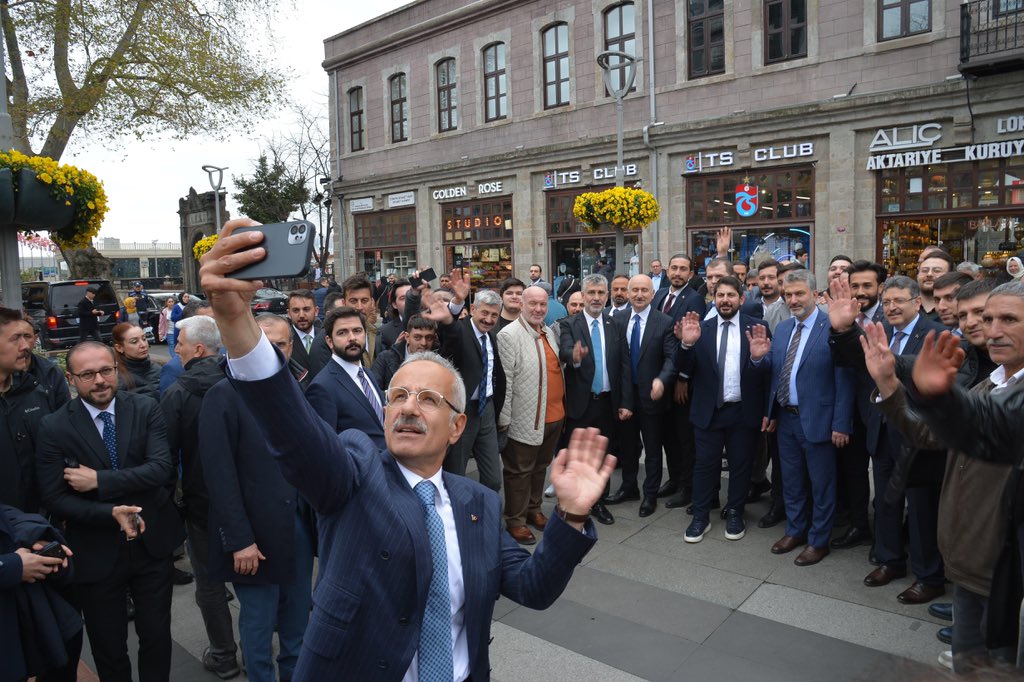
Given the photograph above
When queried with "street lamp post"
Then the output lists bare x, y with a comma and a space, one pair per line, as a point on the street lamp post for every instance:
624, 66
10, 271
215, 171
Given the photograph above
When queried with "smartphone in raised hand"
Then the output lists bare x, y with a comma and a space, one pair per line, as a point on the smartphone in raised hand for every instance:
289, 248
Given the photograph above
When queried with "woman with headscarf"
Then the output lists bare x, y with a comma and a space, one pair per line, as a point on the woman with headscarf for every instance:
1015, 268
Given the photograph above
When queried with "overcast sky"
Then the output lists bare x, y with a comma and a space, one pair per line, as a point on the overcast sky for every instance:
144, 180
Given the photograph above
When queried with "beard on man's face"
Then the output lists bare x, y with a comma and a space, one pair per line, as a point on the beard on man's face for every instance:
353, 351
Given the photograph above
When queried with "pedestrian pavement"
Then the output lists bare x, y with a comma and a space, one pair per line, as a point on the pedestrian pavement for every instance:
644, 605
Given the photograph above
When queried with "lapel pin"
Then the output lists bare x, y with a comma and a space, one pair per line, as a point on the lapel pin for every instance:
474, 518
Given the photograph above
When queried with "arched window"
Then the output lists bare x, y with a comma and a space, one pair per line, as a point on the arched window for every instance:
447, 95
495, 83
399, 108
555, 40
620, 36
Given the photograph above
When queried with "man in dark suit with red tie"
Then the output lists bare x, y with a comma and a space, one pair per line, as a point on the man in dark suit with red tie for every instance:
590, 345
648, 376
729, 395
344, 394
103, 459
676, 300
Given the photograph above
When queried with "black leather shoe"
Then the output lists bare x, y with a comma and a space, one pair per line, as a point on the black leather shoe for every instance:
945, 635
601, 514
622, 495
758, 489
715, 504
854, 537
681, 499
774, 517
648, 506
668, 488
941, 611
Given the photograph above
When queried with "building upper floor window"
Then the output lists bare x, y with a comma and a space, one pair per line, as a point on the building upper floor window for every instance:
1008, 6
705, 29
555, 39
399, 107
495, 83
898, 18
620, 36
785, 29
356, 119
447, 96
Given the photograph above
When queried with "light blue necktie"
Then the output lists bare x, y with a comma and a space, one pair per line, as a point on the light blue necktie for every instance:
435, 652
595, 340
110, 438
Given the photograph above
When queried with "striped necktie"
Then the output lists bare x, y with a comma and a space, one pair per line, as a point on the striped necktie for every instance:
371, 395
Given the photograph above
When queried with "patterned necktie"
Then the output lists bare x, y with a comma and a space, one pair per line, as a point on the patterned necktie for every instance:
862, 319
723, 348
481, 394
787, 367
897, 340
597, 385
371, 395
110, 438
308, 342
668, 303
634, 350
435, 652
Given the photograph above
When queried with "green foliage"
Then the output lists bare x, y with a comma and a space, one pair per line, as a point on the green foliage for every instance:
272, 193
138, 67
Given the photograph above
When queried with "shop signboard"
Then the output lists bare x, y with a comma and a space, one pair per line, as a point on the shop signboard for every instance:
361, 204
555, 179
698, 162
746, 200
973, 152
401, 199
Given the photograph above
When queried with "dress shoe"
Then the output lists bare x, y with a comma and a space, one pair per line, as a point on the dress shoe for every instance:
787, 544
941, 611
715, 504
883, 575
852, 538
648, 506
601, 514
522, 535
945, 635
224, 666
920, 593
537, 520
681, 499
811, 555
668, 488
757, 490
774, 517
622, 495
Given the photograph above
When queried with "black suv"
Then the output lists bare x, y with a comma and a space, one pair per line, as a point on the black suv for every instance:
54, 308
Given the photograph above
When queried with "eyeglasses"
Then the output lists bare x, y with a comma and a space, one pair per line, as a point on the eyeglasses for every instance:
428, 400
896, 301
89, 374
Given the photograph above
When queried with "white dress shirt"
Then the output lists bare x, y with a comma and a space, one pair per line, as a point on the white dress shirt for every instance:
907, 331
94, 412
644, 314
303, 335
606, 382
488, 361
618, 311
352, 369
731, 379
1003, 382
456, 586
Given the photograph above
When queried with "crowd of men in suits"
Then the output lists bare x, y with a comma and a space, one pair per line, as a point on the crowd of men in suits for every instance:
805, 391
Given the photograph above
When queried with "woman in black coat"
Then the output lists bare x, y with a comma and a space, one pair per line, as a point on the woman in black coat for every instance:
39, 631
136, 372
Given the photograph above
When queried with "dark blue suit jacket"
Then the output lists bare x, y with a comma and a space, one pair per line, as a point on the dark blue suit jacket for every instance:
375, 558
826, 392
657, 350
690, 301
341, 402
700, 364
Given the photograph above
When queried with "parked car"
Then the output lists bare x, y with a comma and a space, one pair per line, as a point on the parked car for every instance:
267, 300
54, 309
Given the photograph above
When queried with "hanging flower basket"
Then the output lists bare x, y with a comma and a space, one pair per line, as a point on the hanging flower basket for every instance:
625, 207
64, 200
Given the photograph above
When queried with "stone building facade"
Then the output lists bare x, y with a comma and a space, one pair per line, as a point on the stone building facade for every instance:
197, 219
462, 132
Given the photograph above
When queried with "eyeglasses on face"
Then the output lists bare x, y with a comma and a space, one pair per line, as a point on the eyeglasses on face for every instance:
896, 301
429, 400
89, 374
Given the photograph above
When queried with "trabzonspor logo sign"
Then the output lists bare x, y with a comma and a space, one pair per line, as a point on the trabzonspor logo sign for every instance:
746, 200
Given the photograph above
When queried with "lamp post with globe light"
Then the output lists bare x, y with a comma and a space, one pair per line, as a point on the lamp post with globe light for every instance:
619, 75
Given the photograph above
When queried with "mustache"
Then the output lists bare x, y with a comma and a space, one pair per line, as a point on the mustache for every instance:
409, 421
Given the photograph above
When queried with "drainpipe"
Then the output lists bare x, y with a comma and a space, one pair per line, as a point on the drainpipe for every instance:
652, 156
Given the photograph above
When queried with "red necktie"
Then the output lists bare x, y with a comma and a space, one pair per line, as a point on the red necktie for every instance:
668, 303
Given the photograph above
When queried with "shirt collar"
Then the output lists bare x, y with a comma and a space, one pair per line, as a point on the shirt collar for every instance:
94, 411
591, 320
644, 314
869, 314
811, 319
999, 378
721, 321
909, 329
476, 330
351, 367
413, 479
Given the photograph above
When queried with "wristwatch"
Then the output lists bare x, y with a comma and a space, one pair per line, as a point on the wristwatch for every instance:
575, 518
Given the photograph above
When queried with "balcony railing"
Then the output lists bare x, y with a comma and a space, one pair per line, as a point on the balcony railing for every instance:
991, 36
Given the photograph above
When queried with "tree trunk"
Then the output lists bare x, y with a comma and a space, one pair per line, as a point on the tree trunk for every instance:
87, 264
